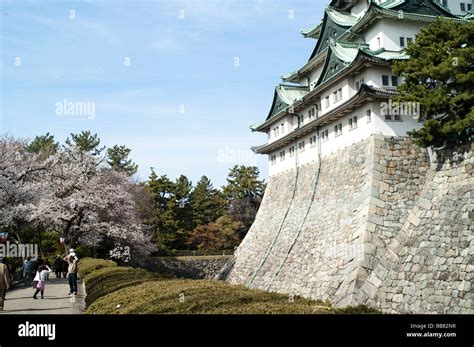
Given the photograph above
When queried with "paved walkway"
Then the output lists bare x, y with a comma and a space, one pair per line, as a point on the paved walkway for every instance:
19, 299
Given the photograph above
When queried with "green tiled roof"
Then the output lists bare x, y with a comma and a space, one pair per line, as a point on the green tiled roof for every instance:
312, 32
343, 54
289, 94
284, 96
469, 15
340, 18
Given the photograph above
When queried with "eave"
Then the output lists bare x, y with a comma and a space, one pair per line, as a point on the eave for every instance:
376, 12
313, 32
310, 65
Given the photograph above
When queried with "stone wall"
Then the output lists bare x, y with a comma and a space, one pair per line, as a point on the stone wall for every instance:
324, 229
196, 267
428, 267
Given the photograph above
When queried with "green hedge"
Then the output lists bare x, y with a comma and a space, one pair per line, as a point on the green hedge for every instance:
201, 297
109, 279
87, 265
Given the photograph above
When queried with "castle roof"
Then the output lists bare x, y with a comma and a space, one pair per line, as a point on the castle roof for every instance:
342, 55
284, 96
344, 58
337, 25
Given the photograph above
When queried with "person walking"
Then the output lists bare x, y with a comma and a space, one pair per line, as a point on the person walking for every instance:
43, 272
58, 266
64, 266
4, 282
28, 267
72, 271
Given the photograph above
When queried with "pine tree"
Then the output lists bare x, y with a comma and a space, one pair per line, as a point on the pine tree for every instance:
86, 142
44, 145
207, 203
244, 192
440, 76
117, 158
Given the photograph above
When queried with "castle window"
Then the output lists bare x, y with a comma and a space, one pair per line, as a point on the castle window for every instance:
282, 128
388, 116
338, 129
312, 141
273, 158
469, 7
397, 117
282, 155
301, 146
369, 116
353, 122
325, 135
300, 120
395, 81
409, 40
327, 101
292, 151
445, 3
402, 41
463, 6
385, 80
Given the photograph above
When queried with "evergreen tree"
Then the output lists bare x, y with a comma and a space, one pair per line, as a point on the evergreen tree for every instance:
173, 217
117, 158
207, 203
86, 142
440, 76
161, 190
181, 210
244, 192
44, 145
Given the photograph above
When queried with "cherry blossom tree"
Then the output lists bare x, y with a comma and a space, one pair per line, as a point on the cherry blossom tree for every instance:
71, 193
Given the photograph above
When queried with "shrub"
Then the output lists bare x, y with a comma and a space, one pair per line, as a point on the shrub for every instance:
201, 297
109, 279
87, 265
360, 309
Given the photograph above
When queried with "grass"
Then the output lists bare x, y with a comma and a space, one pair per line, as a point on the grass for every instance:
88, 265
109, 279
201, 297
124, 290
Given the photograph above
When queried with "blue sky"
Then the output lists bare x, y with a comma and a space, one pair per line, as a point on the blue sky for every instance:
161, 74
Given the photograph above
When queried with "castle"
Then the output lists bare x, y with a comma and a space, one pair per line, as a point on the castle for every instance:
354, 212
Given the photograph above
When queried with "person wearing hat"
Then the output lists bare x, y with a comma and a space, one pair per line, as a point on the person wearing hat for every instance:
72, 271
4, 282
